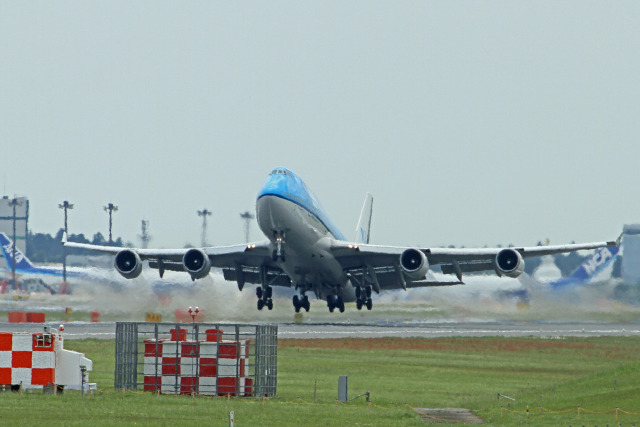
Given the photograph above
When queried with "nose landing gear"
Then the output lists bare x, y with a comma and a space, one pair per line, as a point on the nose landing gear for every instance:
278, 253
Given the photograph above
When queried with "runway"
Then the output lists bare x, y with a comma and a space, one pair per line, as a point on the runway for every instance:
106, 330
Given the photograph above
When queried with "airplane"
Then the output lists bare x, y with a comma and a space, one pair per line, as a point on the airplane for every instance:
24, 266
590, 268
305, 250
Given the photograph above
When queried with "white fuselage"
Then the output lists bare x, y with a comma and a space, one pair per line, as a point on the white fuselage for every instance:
306, 241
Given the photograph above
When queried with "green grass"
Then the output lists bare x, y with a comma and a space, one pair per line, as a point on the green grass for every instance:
597, 374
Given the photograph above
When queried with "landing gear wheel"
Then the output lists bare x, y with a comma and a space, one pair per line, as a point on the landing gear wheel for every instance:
268, 292
269, 304
296, 303
331, 303
368, 291
369, 304
359, 304
260, 304
306, 304
340, 304
259, 292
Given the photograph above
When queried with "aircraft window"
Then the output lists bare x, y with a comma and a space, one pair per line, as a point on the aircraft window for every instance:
279, 172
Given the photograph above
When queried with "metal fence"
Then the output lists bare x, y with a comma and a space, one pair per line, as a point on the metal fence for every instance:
201, 358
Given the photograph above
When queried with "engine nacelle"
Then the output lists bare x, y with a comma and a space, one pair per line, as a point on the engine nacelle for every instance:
509, 263
128, 263
196, 263
414, 264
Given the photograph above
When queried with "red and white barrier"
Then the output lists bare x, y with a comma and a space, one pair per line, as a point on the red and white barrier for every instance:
206, 367
39, 359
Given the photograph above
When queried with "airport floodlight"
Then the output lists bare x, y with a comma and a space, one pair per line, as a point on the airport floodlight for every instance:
65, 206
204, 214
145, 237
247, 217
110, 208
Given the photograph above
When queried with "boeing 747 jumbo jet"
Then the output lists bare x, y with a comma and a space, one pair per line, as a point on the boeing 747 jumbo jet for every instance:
306, 250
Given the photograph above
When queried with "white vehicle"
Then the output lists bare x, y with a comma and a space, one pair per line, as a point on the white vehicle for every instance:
306, 250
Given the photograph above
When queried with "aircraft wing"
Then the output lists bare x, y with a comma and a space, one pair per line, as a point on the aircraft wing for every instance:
380, 265
247, 262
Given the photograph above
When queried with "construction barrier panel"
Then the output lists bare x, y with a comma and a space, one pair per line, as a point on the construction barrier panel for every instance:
203, 367
25, 317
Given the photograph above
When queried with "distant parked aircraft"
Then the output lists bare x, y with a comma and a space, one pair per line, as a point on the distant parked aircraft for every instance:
589, 269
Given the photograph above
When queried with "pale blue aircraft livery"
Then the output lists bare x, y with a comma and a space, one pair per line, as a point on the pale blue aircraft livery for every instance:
589, 269
306, 251
23, 265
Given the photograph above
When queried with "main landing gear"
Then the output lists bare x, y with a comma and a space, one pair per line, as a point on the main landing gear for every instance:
335, 301
264, 295
301, 301
363, 297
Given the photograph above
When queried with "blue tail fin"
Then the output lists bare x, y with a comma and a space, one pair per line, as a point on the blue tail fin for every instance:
22, 262
590, 268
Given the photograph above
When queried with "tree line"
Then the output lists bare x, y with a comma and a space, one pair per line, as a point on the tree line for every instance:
45, 248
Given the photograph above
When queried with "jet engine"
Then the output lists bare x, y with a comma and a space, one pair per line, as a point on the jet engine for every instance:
196, 263
414, 263
128, 263
509, 263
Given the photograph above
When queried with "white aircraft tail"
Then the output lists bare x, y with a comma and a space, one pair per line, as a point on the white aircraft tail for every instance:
22, 262
363, 231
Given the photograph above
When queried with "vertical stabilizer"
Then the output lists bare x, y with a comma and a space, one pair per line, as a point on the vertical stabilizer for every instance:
363, 231
590, 268
22, 262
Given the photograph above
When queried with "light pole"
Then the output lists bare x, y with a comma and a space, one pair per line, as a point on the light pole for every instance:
204, 214
144, 237
14, 203
247, 217
66, 206
111, 208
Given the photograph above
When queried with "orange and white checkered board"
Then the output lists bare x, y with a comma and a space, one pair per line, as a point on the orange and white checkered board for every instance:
27, 359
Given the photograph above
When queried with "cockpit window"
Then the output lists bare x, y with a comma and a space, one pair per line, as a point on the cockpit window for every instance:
280, 172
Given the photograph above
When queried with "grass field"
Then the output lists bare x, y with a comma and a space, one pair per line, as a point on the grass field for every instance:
557, 375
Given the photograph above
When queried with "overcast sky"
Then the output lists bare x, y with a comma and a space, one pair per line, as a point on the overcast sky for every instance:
470, 122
